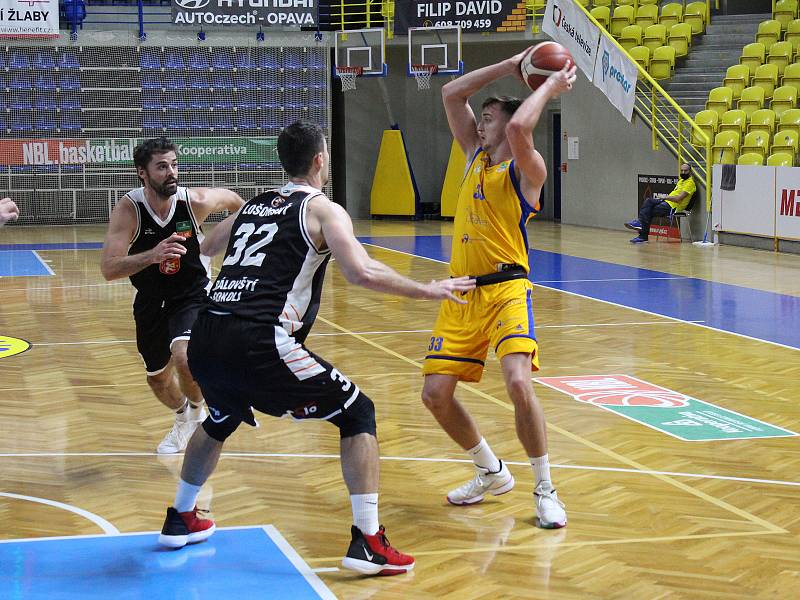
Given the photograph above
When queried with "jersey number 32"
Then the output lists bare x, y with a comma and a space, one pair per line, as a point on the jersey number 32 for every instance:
245, 254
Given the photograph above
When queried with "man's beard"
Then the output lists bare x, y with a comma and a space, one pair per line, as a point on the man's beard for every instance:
167, 189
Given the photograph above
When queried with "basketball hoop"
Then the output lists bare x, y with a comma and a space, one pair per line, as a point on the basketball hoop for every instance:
422, 73
348, 76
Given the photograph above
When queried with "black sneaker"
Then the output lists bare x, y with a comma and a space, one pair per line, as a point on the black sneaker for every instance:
373, 555
184, 528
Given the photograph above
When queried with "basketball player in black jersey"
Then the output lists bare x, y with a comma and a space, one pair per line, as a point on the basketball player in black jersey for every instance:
247, 348
154, 238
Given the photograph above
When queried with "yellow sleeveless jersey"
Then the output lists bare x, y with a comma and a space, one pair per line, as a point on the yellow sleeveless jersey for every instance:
489, 225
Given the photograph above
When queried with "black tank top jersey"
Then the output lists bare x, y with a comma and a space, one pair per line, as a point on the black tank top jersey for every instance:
272, 272
175, 278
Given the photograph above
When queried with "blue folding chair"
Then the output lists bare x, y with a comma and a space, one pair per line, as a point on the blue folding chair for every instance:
149, 59
243, 59
152, 101
199, 99
221, 121
69, 100
244, 80
45, 121
221, 81
69, 60
198, 59
245, 120
222, 60
198, 81
22, 121
69, 80
247, 99
45, 81
21, 80
70, 120
45, 101
19, 60
222, 99
174, 81
21, 100
174, 60
44, 60
198, 120
153, 120
151, 80
175, 121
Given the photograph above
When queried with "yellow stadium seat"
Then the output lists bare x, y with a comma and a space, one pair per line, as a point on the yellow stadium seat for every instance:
607, 3
785, 11
790, 120
695, 15
631, 36
720, 99
793, 34
584, 3
621, 17
756, 142
680, 38
602, 14
791, 76
752, 99
785, 141
783, 99
750, 158
767, 77
753, 56
733, 120
662, 64
737, 77
768, 33
648, 2
641, 54
780, 159
655, 36
646, 15
725, 148
780, 54
762, 120
671, 14
626, 2
708, 121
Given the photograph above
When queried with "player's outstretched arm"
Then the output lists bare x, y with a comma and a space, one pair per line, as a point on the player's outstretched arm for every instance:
206, 201
456, 94
336, 230
519, 129
115, 262
8, 211
217, 240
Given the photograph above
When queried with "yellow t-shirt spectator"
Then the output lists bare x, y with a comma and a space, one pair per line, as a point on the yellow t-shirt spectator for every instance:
684, 185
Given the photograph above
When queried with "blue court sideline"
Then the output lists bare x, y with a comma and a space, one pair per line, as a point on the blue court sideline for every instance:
22, 263
236, 563
754, 313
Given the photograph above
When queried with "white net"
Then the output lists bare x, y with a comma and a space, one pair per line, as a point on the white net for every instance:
348, 76
75, 113
423, 74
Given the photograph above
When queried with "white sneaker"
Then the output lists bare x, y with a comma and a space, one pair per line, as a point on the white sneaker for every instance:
473, 491
198, 414
178, 436
549, 509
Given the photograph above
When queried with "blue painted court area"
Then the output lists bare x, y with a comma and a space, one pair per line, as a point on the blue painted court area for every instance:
237, 563
753, 313
58, 246
23, 263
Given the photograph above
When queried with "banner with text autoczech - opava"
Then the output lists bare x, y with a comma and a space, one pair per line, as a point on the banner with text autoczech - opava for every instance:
262, 13
29, 18
615, 75
119, 152
569, 26
471, 15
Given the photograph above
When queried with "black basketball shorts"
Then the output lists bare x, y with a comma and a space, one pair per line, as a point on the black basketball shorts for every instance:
159, 323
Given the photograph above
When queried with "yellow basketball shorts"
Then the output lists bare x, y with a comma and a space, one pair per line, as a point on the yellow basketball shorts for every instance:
500, 315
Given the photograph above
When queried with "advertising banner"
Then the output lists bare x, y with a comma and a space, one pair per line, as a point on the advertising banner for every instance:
615, 75
787, 203
471, 15
569, 26
28, 18
263, 13
120, 151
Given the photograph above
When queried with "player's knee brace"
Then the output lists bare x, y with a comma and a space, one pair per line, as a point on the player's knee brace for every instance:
359, 417
221, 430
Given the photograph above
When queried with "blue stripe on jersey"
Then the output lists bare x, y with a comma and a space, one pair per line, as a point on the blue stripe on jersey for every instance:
525, 208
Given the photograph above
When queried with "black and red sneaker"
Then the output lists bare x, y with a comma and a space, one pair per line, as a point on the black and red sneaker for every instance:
373, 555
184, 528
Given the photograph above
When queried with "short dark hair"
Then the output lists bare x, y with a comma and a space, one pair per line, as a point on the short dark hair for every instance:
144, 152
508, 104
298, 144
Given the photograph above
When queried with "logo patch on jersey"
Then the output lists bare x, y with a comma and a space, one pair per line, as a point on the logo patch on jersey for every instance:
278, 201
478, 194
184, 228
149, 231
502, 167
170, 266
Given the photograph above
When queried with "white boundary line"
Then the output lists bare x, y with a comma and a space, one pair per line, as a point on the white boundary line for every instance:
42, 261
641, 310
310, 576
250, 455
107, 527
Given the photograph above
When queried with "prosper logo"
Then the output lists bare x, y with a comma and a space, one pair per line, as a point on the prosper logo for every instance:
192, 4
606, 63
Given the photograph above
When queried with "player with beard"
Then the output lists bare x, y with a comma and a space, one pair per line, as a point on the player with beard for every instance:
154, 237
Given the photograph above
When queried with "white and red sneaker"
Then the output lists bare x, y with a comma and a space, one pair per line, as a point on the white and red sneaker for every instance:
184, 528
373, 555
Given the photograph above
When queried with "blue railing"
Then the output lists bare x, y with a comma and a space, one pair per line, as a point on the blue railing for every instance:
74, 13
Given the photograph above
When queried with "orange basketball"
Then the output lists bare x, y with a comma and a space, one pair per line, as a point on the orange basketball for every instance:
541, 61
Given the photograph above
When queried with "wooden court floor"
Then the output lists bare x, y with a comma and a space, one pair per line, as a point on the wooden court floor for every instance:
650, 516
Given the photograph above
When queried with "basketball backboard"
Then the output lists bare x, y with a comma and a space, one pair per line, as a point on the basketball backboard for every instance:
365, 48
440, 46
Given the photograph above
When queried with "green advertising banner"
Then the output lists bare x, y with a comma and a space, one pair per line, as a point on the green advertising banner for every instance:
119, 152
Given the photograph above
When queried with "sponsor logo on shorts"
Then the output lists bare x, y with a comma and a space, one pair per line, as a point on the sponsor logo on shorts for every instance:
215, 415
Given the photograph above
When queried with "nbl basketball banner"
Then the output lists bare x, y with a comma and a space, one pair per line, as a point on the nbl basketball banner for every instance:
28, 18
616, 76
568, 25
264, 13
471, 15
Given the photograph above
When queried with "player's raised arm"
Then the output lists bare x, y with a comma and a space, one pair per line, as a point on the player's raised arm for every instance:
206, 201
217, 240
360, 269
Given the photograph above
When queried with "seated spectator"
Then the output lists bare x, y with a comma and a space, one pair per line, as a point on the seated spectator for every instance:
677, 200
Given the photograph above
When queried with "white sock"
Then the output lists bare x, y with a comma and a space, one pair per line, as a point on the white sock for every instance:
483, 456
541, 470
365, 512
184, 407
186, 496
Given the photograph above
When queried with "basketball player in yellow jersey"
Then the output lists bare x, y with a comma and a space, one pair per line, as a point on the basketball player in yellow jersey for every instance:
500, 191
